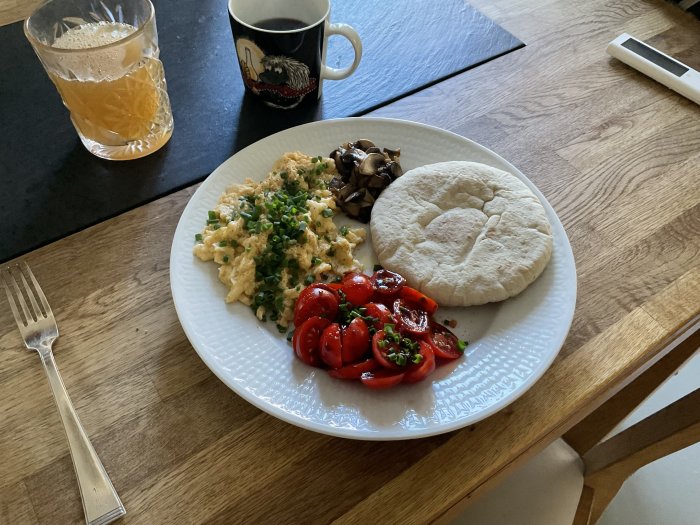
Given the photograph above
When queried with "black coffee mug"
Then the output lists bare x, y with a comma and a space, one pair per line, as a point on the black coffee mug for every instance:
281, 48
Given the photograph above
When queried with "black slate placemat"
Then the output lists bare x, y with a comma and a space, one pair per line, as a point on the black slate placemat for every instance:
50, 186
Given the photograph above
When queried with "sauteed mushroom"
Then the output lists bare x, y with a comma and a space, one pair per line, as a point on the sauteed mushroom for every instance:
365, 171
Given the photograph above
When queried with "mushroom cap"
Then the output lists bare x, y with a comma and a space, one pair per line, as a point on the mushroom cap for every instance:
371, 164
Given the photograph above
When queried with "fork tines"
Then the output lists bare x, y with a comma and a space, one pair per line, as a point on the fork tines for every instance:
19, 291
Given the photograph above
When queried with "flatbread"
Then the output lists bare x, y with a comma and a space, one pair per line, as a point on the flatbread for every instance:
463, 233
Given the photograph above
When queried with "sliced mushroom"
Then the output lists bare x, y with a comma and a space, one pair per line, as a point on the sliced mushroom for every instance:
371, 164
364, 144
365, 171
352, 156
395, 169
345, 192
379, 180
356, 196
393, 154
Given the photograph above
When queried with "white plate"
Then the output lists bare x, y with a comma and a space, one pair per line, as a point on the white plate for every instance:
511, 343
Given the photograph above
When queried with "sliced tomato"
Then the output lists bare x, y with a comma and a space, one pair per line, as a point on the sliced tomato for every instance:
335, 287
356, 341
379, 312
331, 287
445, 344
306, 340
380, 352
381, 378
387, 283
355, 370
410, 318
331, 345
419, 371
315, 301
419, 299
357, 288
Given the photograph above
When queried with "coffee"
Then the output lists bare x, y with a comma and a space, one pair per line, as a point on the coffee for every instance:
280, 24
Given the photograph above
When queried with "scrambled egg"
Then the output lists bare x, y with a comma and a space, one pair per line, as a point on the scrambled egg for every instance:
274, 237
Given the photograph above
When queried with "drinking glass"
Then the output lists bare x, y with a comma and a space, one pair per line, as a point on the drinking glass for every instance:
102, 56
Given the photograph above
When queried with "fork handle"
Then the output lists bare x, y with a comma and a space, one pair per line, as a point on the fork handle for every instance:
100, 501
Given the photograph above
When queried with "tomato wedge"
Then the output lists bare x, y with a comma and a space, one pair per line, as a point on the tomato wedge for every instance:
334, 287
410, 318
307, 338
357, 288
315, 301
381, 313
381, 378
419, 371
355, 341
331, 346
445, 344
380, 352
416, 298
331, 287
387, 285
355, 370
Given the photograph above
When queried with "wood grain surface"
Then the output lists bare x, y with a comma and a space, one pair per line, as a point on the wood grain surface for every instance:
15, 10
615, 153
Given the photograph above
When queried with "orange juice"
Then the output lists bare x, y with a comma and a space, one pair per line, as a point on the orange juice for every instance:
117, 99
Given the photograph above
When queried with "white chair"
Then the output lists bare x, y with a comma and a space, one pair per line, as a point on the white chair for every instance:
575, 482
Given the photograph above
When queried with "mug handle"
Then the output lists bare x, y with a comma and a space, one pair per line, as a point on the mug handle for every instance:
348, 32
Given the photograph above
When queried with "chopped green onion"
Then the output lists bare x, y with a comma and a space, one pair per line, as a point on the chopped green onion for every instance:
198, 237
344, 230
222, 244
461, 345
225, 258
327, 213
212, 216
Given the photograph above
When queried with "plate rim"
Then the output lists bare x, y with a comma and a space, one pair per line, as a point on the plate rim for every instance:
387, 434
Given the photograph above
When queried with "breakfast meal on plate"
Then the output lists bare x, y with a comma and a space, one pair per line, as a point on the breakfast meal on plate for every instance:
373, 329
457, 233
463, 233
274, 237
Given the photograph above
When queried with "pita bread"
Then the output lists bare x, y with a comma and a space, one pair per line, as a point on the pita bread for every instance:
463, 233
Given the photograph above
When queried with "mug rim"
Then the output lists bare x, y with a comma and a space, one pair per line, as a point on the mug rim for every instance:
280, 32
38, 44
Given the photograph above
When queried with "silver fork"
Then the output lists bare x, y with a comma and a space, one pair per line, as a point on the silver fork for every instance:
39, 330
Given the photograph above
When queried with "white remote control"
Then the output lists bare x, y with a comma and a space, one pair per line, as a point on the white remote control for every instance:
670, 72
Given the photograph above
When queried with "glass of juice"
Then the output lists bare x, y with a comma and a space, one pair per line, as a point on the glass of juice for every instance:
102, 55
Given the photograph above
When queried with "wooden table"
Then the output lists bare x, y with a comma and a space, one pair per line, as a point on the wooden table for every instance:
617, 155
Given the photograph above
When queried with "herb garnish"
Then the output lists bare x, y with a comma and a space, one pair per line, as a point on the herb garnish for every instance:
401, 350
348, 311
